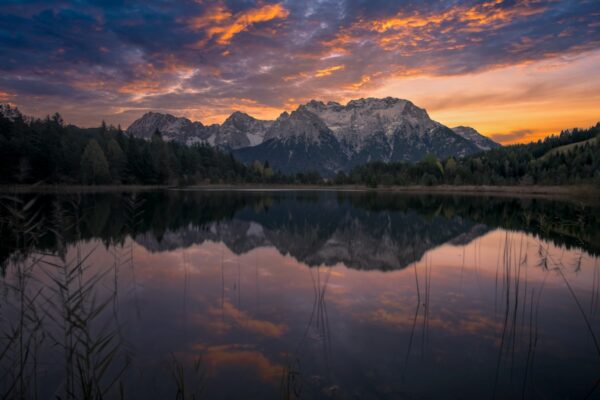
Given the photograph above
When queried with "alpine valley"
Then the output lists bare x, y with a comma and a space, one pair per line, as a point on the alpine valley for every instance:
325, 137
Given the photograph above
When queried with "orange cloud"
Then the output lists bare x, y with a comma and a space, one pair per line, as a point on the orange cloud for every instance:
418, 32
513, 103
246, 322
141, 87
218, 357
152, 78
216, 15
220, 23
4, 96
328, 71
364, 80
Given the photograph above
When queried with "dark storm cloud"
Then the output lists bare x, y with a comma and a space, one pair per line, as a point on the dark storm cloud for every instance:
122, 56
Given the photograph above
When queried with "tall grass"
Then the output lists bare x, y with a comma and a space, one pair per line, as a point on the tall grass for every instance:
51, 303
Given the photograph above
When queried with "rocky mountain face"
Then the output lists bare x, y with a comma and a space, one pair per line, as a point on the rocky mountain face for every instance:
298, 141
239, 130
483, 142
326, 137
171, 128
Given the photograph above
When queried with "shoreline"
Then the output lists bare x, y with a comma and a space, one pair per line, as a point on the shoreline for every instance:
56, 189
507, 191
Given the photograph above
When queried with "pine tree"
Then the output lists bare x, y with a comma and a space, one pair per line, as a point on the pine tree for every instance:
94, 167
160, 156
116, 160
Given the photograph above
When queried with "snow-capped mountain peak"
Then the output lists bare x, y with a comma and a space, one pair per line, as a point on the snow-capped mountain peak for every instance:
328, 136
300, 123
362, 118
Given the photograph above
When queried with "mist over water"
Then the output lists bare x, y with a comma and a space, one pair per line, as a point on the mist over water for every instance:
221, 295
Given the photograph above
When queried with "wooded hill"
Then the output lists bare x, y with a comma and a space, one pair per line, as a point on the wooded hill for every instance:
572, 157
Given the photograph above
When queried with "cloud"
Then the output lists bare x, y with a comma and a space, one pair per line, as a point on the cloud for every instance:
244, 321
512, 136
328, 71
217, 358
220, 23
90, 60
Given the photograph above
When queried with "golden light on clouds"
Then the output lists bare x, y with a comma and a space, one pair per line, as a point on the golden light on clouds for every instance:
328, 71
512, 104
219, 22
514, 70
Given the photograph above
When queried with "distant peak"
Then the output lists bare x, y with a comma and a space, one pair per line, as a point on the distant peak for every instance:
386, 101
471, 134
153, 114
316, 104
239, 114
283, 116
238, 117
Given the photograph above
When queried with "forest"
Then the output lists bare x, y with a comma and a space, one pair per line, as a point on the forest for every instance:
570, 158
50, 151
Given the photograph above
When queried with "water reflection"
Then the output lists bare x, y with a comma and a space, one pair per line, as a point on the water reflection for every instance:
299, 295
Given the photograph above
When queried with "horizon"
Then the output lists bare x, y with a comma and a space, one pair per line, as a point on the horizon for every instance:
507, 142
514, 71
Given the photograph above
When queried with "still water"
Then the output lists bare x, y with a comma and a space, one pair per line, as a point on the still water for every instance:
311, 295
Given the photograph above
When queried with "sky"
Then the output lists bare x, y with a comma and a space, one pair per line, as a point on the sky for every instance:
515, 70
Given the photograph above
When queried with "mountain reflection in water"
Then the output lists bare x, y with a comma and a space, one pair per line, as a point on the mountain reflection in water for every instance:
181, 294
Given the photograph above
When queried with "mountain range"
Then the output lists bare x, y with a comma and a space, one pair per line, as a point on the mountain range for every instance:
326, 137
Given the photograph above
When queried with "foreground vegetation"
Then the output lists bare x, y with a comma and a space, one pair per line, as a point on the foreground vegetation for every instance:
34, 150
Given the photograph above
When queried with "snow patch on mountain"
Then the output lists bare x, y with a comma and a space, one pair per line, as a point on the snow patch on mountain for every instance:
327, 137
239, 130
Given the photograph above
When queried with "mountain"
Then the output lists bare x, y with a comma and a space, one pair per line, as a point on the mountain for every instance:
389, 129
239, 130
484, 143
299, 141
332, 137
326, 137
171, 127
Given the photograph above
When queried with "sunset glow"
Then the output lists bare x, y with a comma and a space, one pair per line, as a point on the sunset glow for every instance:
514, 70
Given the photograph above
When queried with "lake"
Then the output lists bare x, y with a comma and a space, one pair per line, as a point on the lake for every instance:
298, 294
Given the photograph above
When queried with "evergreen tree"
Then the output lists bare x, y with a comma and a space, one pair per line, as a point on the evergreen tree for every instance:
160, 158
116, 160
94, 167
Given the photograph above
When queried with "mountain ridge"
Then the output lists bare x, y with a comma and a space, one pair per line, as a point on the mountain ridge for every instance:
327, 137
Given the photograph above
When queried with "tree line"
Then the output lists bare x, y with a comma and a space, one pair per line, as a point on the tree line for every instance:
546, 162
47, 150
